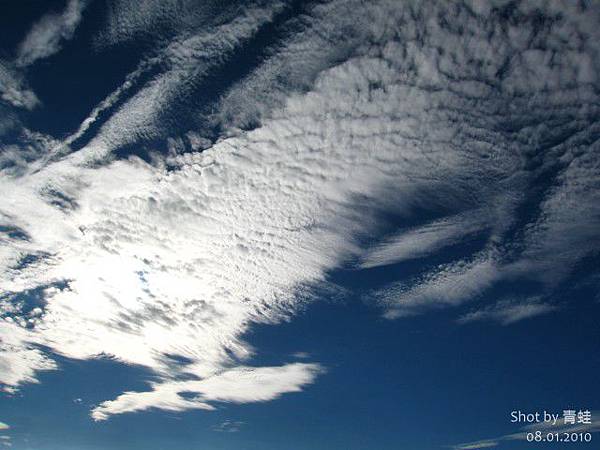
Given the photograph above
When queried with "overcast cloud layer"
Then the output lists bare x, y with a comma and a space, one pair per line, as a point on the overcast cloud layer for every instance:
352, 112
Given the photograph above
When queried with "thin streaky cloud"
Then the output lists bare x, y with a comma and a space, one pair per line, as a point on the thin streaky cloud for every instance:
422, 241
544, 427
509, 311
476, 445
238, 385
188, 59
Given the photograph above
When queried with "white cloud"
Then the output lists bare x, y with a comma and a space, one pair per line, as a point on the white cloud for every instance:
297, 61
449, 285
14, 90
424, 240
555, 242
182, 262
509, 311
4, 426
47, 35
157, 19
238, 385
19, 359
521, 435
187, 58
476, 445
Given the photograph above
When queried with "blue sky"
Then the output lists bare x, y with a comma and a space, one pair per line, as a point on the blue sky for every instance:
303, 225
420, 384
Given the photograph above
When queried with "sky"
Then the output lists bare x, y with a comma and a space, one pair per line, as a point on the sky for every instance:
302, 225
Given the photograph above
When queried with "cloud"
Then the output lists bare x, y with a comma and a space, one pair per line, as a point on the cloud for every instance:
544, 427
449, 285
156, 286
547, 248
181, 64
14, 90
25, 152
193, 57
295, 62
238, 385
155, 19
19, 360
555, 242
3, 426
47, 35
229, 426
422, 241
476, 445
509, 311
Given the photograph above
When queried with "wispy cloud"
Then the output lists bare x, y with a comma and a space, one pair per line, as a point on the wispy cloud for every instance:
47, 35
4, 439
510, 310
14, 90
184, 61
521, 435
238, 385
424, 240
229, 426
476, 445
449, 285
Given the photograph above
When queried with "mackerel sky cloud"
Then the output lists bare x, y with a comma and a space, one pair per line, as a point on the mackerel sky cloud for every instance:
250, 151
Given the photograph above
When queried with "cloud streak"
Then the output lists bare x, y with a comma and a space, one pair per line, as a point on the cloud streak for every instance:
545, 427
425, 240
238, 385
14, 90
48, 34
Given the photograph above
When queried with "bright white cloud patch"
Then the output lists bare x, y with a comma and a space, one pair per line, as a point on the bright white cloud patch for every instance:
238, 385
176, 260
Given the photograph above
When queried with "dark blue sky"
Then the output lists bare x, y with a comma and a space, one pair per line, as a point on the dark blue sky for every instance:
418, 383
